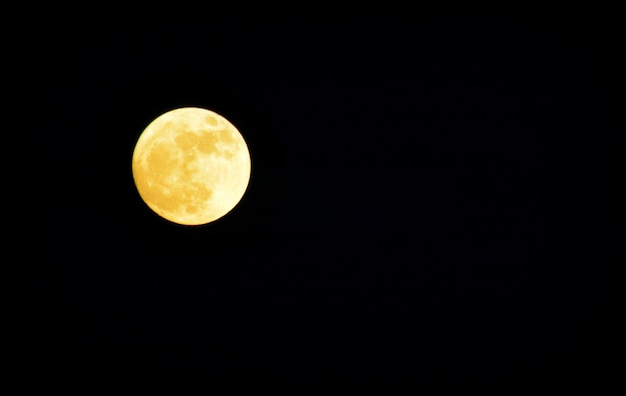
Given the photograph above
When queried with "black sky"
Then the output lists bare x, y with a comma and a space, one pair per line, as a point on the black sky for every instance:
432, 200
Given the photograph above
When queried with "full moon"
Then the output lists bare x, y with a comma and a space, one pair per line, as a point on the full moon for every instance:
191, 166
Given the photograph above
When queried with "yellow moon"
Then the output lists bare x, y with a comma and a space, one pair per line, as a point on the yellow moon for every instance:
191, 166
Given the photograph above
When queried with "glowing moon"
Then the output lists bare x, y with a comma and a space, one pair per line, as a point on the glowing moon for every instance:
191, 166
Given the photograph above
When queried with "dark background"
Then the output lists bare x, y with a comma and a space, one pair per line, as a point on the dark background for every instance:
433, 199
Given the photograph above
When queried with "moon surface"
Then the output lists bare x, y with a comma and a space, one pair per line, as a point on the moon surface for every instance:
191, 166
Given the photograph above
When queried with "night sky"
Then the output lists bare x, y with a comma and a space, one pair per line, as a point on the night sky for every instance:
432, 200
